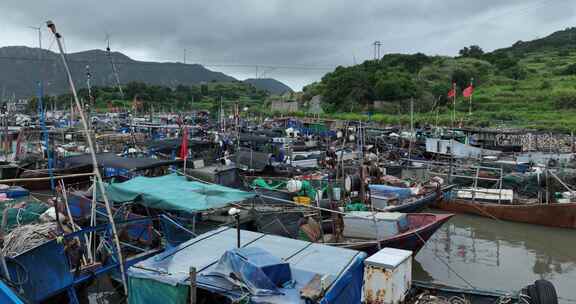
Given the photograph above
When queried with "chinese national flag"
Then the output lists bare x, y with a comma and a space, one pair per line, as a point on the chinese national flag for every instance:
468, 91
184, 147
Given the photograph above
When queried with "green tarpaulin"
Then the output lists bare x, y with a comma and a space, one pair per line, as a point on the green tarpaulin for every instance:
174, 192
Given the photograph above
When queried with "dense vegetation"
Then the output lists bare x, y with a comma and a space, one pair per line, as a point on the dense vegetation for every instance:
161, 98
531, 84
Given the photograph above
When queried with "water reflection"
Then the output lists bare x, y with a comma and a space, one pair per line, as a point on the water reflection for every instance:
499, 255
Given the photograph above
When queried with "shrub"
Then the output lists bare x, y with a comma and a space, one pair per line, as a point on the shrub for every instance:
545, 85
569, 70
564, 99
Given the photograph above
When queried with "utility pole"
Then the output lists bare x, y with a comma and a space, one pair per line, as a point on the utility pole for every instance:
184, 59
89, 85
377, 44
39, 29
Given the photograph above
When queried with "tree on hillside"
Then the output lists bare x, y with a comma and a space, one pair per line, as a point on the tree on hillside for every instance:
473, 51
347, 86
439, 92
395, 86
461, 78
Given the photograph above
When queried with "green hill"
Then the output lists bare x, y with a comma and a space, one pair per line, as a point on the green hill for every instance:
530, 84
270, 85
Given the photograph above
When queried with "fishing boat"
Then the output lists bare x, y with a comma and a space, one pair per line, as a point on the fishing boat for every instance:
395, 199
542, 291
370, 231
237, 266
553, 214
421, 226
59, 268
79, 174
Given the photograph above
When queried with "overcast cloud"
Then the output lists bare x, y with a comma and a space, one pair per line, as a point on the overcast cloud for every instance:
298, 41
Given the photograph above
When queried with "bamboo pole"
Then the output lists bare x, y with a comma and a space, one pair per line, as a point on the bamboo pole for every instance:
99, 181
15, 180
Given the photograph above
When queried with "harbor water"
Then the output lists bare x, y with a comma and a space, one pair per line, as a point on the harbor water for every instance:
476, 252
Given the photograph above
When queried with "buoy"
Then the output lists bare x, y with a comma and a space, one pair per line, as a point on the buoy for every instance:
352, 183
294, 185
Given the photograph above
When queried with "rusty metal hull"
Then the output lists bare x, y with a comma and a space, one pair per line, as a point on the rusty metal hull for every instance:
555, 215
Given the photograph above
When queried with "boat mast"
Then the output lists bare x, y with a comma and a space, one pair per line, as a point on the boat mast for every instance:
42, 112
99, 181
114, 70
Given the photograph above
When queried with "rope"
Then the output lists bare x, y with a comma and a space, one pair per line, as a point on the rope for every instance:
27, 237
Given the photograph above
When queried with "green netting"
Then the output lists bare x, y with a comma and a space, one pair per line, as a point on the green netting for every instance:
143, 291
27, 214
308, 190
273, 185
174, 192
524, 184
356, 207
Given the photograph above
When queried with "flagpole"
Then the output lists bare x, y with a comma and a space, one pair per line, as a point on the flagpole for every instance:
185, 133
454, 106
470, 100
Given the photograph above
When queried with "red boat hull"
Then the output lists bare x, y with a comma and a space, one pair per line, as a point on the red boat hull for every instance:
555, 215
422, 227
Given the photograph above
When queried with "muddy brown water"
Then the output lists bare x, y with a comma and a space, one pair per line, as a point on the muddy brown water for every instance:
499, 255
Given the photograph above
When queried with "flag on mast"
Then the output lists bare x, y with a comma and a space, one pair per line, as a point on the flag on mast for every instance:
452, 92
184, 147
468, 91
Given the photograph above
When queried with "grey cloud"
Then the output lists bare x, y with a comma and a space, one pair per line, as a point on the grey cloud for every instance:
285, 32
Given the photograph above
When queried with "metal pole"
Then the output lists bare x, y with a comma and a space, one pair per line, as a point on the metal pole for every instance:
454, 106
192, 285
45, 135
237, 216
99, 181
470, 100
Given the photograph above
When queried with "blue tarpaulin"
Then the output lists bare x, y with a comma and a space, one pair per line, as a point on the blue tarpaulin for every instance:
403, 193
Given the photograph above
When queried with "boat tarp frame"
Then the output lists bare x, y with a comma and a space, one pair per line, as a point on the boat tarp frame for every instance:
111, 160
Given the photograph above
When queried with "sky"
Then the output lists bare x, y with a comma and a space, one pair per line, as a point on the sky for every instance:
294, 41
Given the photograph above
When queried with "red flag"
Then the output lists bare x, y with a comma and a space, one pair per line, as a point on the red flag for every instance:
184, 147
452, 92
468, 91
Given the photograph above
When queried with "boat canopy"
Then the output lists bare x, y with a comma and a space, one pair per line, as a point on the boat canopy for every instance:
260, 261
174, 192
111, 160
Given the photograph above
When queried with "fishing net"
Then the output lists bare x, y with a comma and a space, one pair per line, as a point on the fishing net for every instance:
523, 184
27, 237
20, 213
272, 185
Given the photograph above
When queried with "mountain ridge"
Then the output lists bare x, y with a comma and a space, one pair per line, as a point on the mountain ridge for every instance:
21, 67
